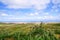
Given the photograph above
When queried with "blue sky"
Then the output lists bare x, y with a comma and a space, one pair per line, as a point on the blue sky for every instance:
29, 10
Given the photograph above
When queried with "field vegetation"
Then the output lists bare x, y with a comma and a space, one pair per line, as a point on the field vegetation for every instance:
30, 31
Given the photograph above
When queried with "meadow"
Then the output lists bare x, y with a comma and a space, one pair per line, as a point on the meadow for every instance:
30, 31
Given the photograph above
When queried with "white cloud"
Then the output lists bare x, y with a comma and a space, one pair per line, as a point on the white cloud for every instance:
46, 17
56, 1
55, 10
36, 13
20, 18
37, 4
14, 18
46, 13
40, 17
33, 14
49, 17
3, 14
56, 5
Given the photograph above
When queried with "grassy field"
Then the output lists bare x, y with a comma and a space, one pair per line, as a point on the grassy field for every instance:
30, 31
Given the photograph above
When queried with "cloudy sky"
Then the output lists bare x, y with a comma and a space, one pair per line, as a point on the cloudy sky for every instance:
29, 10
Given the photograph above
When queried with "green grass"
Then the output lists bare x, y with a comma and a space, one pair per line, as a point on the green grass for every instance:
28, 31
